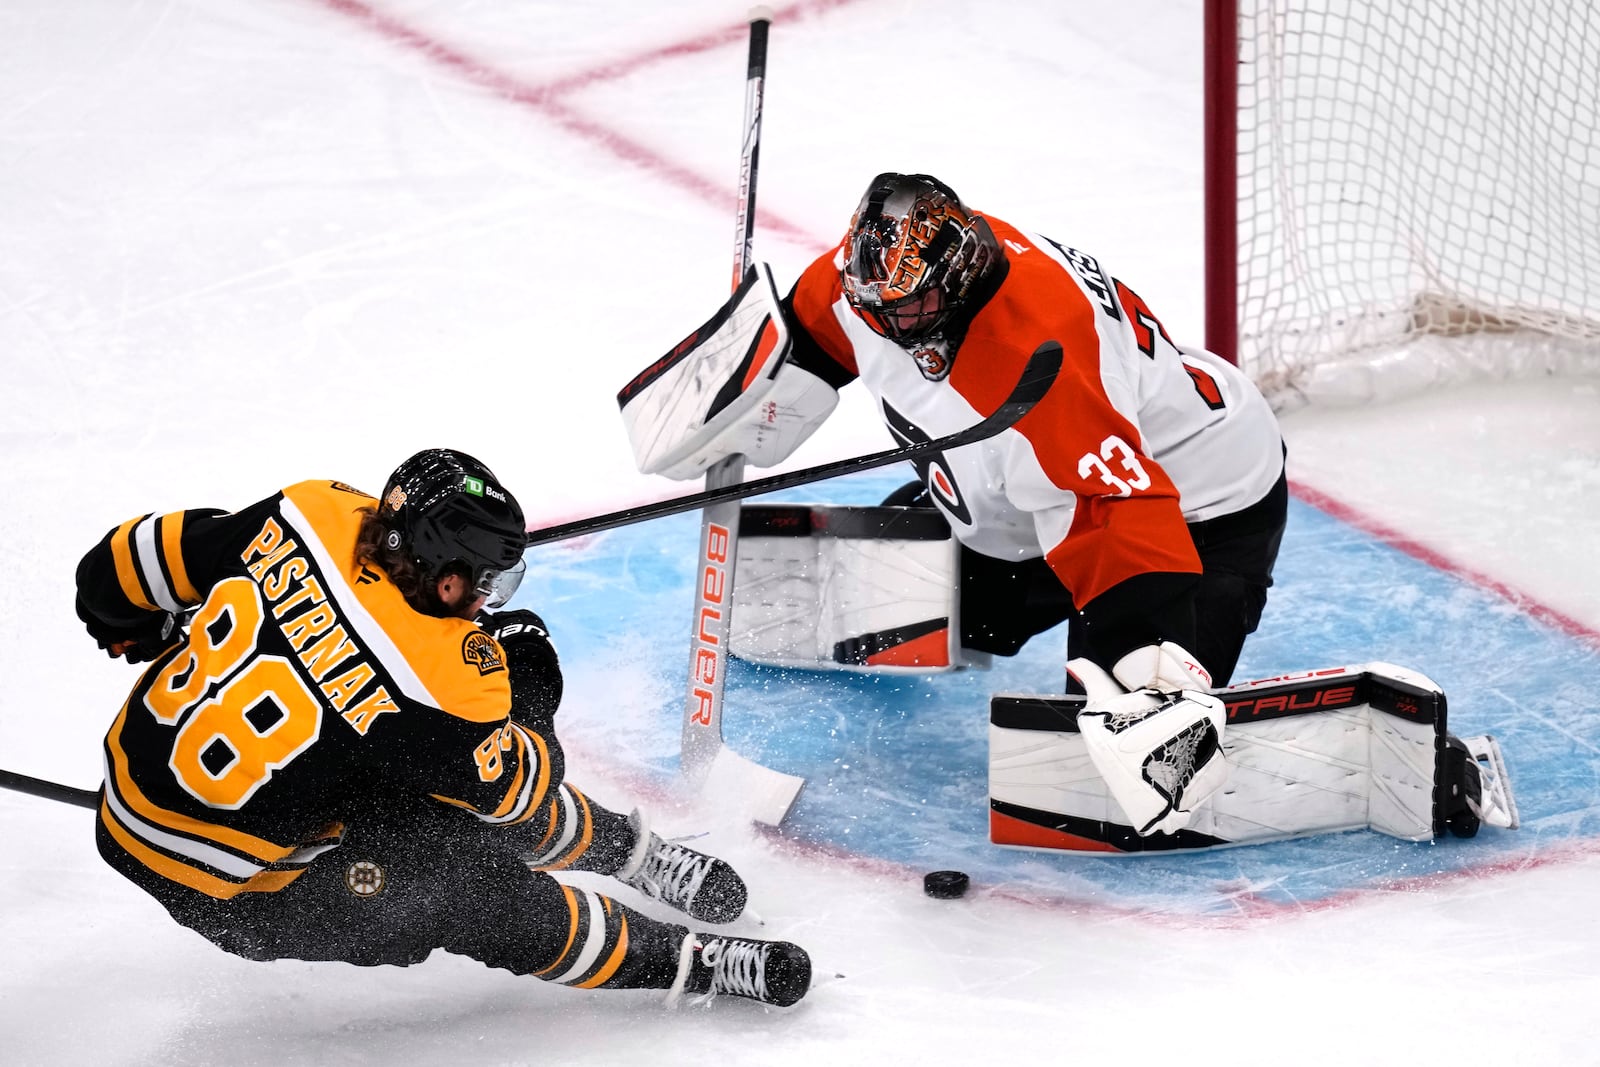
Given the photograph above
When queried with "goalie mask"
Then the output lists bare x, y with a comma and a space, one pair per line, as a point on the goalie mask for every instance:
912, 256
443, 508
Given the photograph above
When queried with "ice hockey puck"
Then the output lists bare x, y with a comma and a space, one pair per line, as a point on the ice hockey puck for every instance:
945, 885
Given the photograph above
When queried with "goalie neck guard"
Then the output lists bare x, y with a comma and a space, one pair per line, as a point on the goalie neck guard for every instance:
445, 509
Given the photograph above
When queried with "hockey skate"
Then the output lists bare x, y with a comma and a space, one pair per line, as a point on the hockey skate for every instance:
1474, 786
772, 972
703, 887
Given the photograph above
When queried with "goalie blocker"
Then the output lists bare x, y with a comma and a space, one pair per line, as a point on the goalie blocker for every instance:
1361, 747
726, 389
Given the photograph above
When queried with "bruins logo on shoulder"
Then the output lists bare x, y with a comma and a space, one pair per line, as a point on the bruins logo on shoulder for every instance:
342, 487
480, 650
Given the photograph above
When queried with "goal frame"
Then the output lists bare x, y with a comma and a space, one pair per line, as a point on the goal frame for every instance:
1221, 81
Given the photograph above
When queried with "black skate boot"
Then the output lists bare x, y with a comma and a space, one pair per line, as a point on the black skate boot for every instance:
1462, 790
773, 972
701, 886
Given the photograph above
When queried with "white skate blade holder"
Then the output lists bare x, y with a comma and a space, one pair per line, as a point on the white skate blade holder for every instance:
1497, 805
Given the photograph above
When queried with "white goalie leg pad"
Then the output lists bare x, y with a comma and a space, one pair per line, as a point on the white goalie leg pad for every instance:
847, 588
727, 389
1159, 753
1315, 752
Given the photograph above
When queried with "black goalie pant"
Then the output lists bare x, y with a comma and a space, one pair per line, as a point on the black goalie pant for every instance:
1004, 603
391, 894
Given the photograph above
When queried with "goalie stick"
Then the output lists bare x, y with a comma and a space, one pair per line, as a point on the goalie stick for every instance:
768, 794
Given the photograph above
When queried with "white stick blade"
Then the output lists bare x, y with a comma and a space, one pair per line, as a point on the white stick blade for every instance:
735, 783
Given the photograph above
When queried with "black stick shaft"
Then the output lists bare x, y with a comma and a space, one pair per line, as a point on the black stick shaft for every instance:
750, 151
40, 787
1034, 383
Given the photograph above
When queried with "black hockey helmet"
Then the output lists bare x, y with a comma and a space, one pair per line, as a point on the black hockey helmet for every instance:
442, 507
913, 253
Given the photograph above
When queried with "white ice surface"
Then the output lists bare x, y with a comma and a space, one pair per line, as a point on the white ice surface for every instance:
245, 242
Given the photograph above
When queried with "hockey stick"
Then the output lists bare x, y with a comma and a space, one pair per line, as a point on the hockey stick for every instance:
40, 787
1036, 380
769, 793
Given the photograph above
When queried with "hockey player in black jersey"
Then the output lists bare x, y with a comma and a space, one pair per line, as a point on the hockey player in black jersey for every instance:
342, 756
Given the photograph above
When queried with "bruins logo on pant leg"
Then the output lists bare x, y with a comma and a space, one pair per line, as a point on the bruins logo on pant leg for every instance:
364, 878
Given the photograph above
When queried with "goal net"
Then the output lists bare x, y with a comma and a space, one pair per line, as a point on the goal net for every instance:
1417, 192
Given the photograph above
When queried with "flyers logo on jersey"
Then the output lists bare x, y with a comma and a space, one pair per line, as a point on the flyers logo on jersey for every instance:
932, 362
480, 650
934, 471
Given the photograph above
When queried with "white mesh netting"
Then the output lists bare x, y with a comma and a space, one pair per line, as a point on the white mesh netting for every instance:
1419, 192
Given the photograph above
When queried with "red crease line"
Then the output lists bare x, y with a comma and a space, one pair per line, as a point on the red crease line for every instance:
1433, 558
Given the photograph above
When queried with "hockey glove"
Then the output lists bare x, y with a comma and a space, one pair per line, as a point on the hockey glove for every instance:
531, 660
137, 642
1154, 734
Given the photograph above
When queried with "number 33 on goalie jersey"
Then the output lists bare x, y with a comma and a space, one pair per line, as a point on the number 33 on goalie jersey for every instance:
306, 689
1136, 437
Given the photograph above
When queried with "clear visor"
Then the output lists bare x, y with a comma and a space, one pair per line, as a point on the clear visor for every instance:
498, 587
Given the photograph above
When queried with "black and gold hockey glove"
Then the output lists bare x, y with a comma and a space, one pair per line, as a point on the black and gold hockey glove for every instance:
531, 660
139, 641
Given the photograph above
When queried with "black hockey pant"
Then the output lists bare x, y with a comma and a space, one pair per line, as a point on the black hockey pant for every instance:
391, 894
1004, 603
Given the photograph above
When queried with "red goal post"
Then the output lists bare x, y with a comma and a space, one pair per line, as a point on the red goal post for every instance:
1402, 193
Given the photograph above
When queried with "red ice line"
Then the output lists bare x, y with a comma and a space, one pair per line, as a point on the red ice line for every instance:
1248, 908
548, 98
1416, 549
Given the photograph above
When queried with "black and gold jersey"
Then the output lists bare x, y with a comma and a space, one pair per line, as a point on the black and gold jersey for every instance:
306, 689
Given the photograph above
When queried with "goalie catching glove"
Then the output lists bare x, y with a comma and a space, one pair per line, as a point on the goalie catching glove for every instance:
1154, 734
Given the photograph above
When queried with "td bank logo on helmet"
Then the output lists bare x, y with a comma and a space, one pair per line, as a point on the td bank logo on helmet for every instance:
479, 487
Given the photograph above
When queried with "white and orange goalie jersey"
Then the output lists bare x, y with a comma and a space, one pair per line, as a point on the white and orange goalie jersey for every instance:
1138, 436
